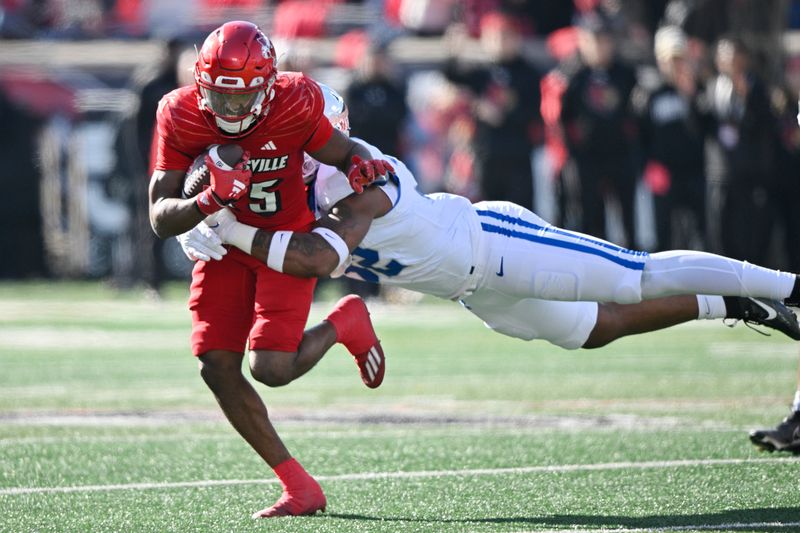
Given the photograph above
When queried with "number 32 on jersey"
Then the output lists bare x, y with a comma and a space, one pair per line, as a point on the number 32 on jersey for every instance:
367, 265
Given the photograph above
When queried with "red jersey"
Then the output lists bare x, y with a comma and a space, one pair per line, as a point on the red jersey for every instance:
294, 124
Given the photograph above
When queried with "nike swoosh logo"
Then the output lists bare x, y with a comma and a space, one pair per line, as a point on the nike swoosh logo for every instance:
214, 226
771, 313
500, 272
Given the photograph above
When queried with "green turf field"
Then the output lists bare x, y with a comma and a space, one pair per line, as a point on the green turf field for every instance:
105, 425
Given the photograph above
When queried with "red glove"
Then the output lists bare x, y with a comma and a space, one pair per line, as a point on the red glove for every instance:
365, 171
227, 186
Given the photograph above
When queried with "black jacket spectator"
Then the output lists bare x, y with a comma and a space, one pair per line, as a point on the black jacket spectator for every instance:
600, 130
506, 101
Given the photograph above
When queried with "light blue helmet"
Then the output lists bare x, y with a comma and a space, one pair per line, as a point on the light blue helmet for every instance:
336, 111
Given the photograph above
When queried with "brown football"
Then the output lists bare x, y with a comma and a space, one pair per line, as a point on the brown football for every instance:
198, 177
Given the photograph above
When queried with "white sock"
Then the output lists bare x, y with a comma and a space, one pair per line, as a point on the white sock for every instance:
688, 272
710, 307
796, 402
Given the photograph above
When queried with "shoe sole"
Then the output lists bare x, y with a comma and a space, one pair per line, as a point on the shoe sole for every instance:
306, 513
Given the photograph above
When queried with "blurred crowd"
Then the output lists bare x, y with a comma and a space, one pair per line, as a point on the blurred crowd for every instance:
654, 124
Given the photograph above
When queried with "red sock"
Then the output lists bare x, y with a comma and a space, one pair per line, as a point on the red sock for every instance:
292, 475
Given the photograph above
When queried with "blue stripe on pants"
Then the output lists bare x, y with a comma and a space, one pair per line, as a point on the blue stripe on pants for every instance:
558, 231
627, 263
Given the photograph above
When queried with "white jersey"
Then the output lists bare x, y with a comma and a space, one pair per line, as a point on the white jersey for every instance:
523, 276
425, 243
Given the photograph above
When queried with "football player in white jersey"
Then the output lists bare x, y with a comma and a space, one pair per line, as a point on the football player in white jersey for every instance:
522, 276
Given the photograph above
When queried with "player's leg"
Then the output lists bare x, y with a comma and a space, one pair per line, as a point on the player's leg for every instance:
574, 325
546, 262
615, 321
620, 320
281, 351
785, 436
690, 272
222, 303
276, 368
222, 372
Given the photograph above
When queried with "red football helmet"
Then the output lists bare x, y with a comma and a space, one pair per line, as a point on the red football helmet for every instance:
235, 71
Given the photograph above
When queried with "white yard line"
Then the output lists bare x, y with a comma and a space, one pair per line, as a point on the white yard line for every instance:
699, 527
399, 475
328, 434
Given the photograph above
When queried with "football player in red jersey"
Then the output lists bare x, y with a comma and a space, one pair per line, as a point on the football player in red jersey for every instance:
275, 117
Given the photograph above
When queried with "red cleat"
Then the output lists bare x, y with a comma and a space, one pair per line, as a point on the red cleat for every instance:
354, 329
372, 365
302, 503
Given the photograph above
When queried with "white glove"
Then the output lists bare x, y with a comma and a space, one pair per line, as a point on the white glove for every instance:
201, 243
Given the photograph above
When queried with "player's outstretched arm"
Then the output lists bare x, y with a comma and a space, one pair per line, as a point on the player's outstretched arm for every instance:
317, 253
354, 160
171, 215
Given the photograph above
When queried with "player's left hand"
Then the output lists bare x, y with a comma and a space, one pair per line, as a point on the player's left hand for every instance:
366, 171
201, 244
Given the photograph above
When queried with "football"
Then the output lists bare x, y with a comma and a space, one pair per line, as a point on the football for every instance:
198, 176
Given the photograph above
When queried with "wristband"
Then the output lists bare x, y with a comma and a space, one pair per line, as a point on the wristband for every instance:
241, 236
206, 203
336, 242
277, 249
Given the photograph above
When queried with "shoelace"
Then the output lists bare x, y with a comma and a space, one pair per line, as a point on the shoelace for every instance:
748, 323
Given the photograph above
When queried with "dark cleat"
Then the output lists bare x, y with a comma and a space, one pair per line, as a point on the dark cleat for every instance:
762, 311
784, 438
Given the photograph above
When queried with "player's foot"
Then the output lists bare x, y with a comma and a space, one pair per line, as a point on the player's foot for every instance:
784, 438
770, 313
354, 329
296, 503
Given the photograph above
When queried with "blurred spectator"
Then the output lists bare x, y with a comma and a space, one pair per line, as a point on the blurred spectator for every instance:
673, 123
133, 148
600, 126
505, 108
300, 18
21, 237
377, 102
425, 17
787, 176
746, 139
539, 17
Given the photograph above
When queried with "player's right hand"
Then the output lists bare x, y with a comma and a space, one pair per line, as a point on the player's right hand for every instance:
227, 184
201, 243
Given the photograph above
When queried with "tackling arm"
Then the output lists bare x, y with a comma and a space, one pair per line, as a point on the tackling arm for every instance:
339, 151
310, 254
354, 160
